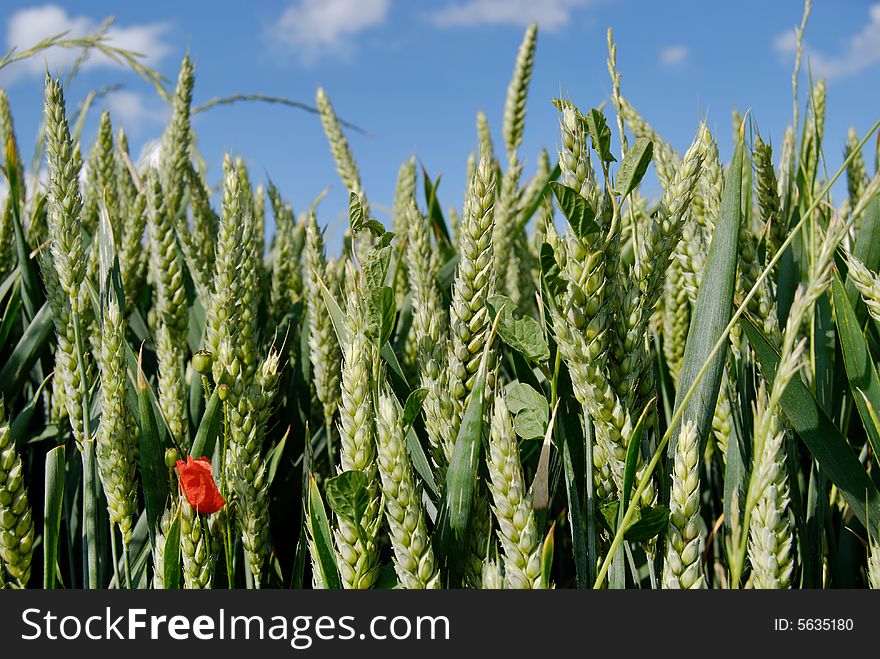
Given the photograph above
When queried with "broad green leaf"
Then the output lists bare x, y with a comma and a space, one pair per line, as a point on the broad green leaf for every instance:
319, 529
646, 523
521, 396
379, 299
384, 240
154, 474
413, 406
576, 209
635, 164
461, 476
530, 408
376, 266
712, 312
348, 495
522, 334
859, 366
355, 213
375, 227
600, 134
29, 348
652, 520
209, 428
820, 434
171, 555
610, 512
52, 513
381, 312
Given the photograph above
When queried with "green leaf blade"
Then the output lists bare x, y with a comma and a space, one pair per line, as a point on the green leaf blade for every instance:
576, 209
712, 311
154, 475
348, 495
857, 361
322, 537
635, 164
52, 513
523, 334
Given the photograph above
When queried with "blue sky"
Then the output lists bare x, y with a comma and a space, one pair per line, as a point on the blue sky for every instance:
414, 75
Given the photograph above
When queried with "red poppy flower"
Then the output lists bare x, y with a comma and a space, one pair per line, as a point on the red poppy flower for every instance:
197, 483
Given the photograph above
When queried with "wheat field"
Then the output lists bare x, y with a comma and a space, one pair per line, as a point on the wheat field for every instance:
562, 383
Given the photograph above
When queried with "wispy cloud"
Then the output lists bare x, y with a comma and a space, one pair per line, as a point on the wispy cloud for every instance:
862, 50
549, 14
26, 27
674, 56
317, 28
134, 111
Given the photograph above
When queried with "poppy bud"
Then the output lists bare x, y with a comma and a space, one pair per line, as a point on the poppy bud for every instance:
172, 455
202, 362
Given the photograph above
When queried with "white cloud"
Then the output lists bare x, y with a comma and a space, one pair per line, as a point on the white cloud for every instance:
150, 156
315, 28
862, 50
673, 56
133, 111
26, 27
549, 14
785, 43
